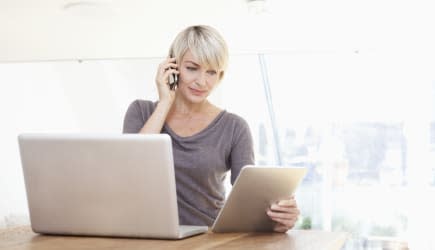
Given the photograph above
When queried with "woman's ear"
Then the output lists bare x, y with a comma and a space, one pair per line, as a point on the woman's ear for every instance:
171, 52
221, 75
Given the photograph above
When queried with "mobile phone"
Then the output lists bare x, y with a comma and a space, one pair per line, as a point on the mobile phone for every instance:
173, 79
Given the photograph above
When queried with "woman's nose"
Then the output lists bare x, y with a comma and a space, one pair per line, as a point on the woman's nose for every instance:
201, 79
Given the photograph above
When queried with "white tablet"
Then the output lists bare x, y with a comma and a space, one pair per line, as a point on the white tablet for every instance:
255, 189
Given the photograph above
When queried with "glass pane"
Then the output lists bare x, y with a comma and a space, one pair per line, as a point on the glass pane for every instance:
347, 118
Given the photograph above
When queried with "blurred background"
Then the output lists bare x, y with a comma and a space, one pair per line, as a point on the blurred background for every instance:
344, 88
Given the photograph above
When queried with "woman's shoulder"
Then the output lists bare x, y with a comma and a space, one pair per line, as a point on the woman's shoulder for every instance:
239, 127
143, 105
235, 119
140, 109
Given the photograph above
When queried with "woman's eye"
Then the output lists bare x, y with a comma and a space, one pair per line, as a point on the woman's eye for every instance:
191, 68
212, 72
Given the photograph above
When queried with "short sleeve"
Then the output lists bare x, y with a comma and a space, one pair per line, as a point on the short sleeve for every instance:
133, 119
242, 152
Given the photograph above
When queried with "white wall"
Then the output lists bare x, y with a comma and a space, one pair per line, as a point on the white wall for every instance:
91, 96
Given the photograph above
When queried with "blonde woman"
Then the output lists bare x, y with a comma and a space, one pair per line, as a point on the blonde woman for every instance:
207, 141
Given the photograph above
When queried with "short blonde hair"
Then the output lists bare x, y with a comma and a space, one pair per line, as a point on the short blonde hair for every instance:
205, 43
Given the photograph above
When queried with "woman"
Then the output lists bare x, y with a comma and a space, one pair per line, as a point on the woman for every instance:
207, 141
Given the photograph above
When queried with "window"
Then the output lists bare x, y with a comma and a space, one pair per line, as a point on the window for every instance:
362, 123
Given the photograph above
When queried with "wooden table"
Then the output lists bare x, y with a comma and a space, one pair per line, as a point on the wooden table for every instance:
23, 238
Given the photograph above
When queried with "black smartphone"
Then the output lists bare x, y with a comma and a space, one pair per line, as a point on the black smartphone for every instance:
173, 79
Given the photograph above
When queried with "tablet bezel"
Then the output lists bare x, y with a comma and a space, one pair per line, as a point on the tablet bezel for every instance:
255, 189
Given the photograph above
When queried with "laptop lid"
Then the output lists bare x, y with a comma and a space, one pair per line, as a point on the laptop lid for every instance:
100, 184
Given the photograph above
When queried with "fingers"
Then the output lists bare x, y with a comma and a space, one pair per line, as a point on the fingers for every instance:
166, 68
287, 224
170, 71
169, 62
290, 202
280, 228
285, 206
285, 209
163, 78
287, 215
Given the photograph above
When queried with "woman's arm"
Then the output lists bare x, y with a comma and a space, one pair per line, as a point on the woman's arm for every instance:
242, 149
166, 97
154, 123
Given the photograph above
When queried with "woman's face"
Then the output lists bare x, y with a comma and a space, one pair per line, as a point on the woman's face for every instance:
196, 81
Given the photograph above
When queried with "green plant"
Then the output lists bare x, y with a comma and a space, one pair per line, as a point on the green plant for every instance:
306, 223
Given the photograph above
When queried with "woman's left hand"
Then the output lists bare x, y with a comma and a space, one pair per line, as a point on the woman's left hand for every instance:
285, 213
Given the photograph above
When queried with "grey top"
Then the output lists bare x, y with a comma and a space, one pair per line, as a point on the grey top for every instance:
201, 160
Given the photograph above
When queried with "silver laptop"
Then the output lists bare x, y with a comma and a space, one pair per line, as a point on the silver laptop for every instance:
120, 185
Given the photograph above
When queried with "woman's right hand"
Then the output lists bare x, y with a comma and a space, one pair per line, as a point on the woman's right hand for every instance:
166, 68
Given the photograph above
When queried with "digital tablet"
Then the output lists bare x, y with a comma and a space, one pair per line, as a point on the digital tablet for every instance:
255, 189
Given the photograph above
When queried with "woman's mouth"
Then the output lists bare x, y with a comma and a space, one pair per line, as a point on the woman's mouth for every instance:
197, 92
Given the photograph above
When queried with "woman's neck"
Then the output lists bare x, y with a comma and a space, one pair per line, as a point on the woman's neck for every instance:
182, 107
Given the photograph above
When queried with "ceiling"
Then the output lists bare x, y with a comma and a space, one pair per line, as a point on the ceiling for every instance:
98, 29
57, 30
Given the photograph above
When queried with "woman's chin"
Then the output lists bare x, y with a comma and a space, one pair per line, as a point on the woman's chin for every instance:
196, 98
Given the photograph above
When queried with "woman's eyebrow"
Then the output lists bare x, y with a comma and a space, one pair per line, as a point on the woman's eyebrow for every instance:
193, 63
